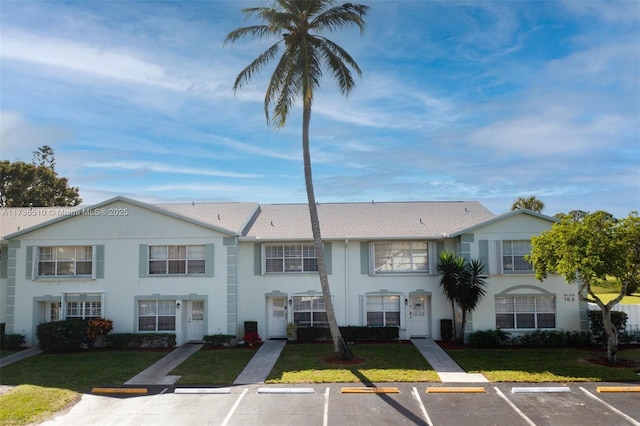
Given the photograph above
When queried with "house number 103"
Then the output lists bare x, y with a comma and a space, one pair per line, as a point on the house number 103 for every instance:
570, 297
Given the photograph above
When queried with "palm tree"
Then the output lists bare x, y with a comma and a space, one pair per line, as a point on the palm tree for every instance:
463, 284
529, 203
451, 267
298, 72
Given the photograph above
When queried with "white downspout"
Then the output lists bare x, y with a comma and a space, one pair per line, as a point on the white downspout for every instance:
346, 281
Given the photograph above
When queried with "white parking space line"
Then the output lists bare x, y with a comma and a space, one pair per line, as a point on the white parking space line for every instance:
286, 390
416, 395
325, 415
612, 408
517, 410
235, 406
541, 389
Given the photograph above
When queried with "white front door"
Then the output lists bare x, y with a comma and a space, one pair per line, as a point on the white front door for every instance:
277, 316
419, 316
195, 319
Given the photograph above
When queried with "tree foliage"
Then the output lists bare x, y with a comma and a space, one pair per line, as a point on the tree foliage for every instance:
44, 156
529, 203
463, 283
304, 55
25, 185
587, 248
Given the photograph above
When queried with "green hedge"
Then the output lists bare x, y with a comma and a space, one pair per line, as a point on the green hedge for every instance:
349, 334
140, 340
596, 324
62, 336
220, 340
544, 338
11, 341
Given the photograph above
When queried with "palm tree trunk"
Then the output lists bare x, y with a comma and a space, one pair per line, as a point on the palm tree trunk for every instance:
341, 349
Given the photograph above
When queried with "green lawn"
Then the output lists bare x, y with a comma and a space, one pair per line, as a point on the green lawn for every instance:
609, 289
78, 371
46, 383
543, 365
209, 367
390, 362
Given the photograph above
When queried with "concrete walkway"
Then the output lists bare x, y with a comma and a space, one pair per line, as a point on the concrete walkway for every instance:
261, 364
448, 370
20, 355
157, 373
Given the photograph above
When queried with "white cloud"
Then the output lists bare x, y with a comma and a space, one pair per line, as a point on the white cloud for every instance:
143, 166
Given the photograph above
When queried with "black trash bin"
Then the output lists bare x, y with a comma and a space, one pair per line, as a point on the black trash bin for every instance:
250, 327
446, 329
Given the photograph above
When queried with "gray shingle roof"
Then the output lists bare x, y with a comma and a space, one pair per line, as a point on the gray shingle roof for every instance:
423, 219
368, 220
231, 216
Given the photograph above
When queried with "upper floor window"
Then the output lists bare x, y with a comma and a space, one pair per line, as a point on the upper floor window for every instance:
290, 258
65, 261
176, 260
513, 252
410, 256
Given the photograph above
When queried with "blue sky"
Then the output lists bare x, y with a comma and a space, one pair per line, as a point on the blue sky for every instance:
486, 101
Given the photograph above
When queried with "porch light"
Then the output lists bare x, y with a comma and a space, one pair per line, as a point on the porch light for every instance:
290, 302
406, 302
178, 305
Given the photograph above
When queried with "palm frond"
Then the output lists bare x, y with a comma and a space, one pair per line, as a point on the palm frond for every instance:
255, 66
257, 31
339, 17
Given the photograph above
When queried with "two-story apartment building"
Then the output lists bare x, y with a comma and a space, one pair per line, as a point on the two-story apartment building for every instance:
205, 268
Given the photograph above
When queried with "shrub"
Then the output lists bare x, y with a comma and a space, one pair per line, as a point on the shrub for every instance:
349, 334
489, 338
220, 340
252, 338
552, 338
11, 341
62, 336
140, 340
596, 324
98, 328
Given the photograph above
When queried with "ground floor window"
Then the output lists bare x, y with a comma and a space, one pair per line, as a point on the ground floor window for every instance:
156, 315
82, 310
309, 311
383, 311
515, 312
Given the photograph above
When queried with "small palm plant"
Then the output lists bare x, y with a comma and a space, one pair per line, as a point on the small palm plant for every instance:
463, 283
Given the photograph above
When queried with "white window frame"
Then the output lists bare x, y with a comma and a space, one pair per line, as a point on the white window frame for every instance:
86, 309
168, 259
291, 254
386, 308
36, 256
515, 253
313, 310
393, 269
169, 309
541, 305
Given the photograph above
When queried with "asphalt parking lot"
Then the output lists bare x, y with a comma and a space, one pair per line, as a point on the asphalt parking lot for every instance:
350, 404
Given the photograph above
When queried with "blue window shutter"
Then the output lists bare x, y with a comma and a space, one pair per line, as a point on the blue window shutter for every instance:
483, 249
100, 261
29, 269
257, 259
4, 262
209, 261
143, 270
327, 257
364, 258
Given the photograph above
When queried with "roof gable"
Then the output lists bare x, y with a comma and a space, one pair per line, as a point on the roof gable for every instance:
227, 218
503, 217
